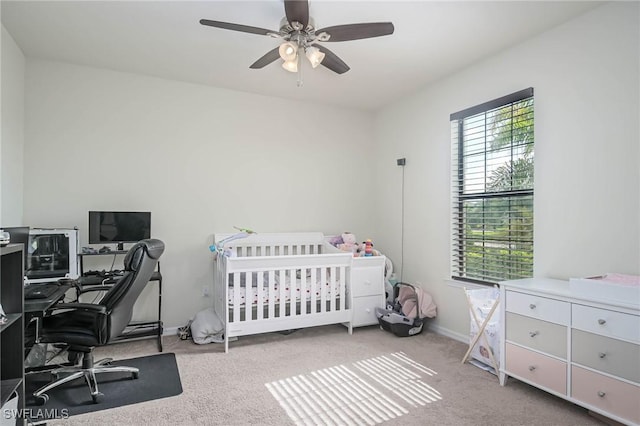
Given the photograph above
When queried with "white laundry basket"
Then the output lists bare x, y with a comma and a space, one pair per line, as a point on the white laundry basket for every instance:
484, 331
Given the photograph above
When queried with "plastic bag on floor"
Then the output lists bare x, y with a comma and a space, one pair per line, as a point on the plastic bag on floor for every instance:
206, 327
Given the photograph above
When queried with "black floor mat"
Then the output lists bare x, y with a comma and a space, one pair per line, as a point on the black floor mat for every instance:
159, 378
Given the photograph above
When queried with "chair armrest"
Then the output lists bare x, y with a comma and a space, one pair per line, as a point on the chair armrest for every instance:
80, 306
95, 288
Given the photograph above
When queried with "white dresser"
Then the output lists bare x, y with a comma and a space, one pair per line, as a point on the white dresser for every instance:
580, 348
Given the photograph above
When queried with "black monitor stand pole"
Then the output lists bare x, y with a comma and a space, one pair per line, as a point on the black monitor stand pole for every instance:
120, 247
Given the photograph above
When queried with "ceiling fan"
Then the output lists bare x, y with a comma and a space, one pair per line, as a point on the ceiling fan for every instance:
299, 35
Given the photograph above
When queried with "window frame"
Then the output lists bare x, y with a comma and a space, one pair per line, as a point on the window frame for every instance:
459, 237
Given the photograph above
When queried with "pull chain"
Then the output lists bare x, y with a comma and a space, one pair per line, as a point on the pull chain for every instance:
299, 82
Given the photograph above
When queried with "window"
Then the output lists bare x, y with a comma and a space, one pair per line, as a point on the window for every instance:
492, 182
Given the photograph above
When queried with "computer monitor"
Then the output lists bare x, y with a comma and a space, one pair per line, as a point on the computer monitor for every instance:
19, 234
118, 227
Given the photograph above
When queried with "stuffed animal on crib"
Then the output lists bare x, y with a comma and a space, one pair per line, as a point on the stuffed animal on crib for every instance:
348, 242
368, 248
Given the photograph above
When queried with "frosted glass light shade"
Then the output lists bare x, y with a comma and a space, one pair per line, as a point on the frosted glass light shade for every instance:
291, 66
314, 55
288, 51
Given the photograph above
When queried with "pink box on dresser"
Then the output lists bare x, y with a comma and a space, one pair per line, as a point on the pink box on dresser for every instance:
610, 287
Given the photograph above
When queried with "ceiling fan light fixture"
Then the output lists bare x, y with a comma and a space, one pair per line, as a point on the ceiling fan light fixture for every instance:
298, 33
288, 51
314, 55
291, 66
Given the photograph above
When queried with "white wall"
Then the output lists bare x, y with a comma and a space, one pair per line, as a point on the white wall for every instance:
200, 159
585, 74
11, 144
204, 159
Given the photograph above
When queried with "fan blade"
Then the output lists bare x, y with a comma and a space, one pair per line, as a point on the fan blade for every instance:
268, 57
332, 61
297, 11
236, 27
357, 31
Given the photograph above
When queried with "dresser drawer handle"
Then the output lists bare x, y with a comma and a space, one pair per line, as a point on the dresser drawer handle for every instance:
532, 367
601, 321
602, 354
534, 333
601, 394
532, 306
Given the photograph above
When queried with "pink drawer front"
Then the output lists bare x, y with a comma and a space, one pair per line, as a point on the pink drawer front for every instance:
613, 396
536, 368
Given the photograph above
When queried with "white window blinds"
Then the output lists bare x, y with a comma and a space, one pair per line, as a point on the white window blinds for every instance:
492, 190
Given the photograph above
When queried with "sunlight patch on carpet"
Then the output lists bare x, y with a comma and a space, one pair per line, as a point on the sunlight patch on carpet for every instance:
399, 380
339, 396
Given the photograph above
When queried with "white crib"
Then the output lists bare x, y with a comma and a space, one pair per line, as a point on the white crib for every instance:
276, 282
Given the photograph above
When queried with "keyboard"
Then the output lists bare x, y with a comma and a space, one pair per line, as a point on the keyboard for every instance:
40, 291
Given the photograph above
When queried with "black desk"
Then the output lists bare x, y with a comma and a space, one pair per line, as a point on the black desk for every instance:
40, 306
34, 309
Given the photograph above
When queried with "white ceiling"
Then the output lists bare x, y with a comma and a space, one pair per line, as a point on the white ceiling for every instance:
164, 39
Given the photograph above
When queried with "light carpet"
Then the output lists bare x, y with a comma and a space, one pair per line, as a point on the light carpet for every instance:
370, 377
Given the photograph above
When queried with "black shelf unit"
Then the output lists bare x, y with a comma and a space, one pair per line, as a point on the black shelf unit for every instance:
135, 329
12, 331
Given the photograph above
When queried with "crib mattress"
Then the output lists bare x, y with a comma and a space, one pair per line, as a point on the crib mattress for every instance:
291, 292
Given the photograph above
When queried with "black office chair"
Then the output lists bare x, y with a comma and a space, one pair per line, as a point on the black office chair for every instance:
83, 326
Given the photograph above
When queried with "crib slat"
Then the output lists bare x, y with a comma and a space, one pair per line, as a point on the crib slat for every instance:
248, 285
293, 291
303, 291
260, 296
282, 285
313, 282
332, 287
236, 296
343, 288
323, 292
272, 293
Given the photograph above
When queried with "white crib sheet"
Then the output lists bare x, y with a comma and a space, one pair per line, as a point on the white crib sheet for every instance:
290, 292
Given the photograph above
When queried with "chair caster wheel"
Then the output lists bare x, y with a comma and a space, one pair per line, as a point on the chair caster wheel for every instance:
97, 397
135, 375
41, 399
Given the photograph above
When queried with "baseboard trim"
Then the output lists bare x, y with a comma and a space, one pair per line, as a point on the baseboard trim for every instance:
450, 333
173, 331
170, 331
